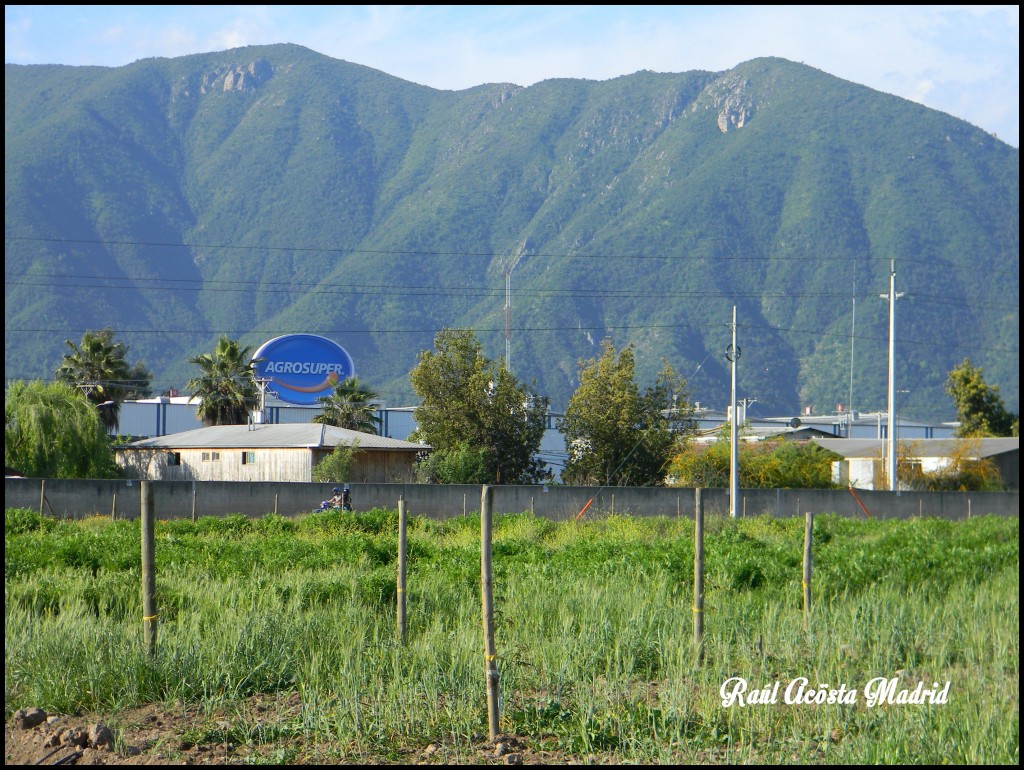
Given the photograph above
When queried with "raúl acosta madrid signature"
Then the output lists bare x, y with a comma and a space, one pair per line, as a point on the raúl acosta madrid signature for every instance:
736, 691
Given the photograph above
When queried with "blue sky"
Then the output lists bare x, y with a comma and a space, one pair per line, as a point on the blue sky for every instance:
958, 59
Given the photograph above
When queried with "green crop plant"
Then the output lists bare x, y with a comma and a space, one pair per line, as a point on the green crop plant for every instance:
593, 628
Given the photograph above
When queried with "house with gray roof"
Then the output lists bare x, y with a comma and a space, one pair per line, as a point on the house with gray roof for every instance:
261, 452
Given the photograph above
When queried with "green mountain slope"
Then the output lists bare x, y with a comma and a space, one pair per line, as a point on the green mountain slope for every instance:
269, 190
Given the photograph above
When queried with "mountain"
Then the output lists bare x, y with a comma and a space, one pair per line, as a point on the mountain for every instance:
267, 190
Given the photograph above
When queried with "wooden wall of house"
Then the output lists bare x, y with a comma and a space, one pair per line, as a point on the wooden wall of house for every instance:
380, 467
384, 468
261, 464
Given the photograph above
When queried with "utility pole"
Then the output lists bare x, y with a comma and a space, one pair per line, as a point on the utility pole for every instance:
261, 415
746, 403
508, 317
732, 354
892, 296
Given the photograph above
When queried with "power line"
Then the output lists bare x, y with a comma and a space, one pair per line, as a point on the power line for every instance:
420, 291
525, 329
431, 253
356, 331
353, 289
390, 288
433, 290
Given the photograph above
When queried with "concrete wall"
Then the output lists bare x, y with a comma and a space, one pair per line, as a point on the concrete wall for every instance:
175, 499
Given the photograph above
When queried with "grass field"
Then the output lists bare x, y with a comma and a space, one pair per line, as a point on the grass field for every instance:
594, 633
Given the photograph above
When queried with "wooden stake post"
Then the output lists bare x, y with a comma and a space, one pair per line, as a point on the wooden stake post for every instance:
487, 602
808, 529
698, 575
148, 571
400, 612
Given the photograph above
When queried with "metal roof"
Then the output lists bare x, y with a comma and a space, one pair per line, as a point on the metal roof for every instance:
802, 432
285, 436
761, 433
843, 418
919, 447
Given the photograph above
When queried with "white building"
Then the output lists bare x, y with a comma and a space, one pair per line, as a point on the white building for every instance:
864, 460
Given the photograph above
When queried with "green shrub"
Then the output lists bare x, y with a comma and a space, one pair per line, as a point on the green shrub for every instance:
18, 521
771, 464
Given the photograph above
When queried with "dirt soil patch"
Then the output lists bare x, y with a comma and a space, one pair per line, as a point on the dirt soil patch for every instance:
162, 735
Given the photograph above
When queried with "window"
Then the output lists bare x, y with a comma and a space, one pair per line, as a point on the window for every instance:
174, 458
248, 458
211, 457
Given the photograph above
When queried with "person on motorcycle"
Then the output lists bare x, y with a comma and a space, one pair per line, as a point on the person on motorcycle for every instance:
337, 499
346, 499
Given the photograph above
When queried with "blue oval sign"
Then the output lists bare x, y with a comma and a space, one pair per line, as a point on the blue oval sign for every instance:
303, 367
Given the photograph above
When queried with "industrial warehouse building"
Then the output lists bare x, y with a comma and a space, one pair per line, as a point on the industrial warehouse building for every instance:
261, 452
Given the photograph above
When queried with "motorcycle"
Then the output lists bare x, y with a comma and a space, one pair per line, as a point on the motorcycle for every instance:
331, 505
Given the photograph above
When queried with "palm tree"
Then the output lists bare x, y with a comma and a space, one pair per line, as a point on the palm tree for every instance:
351, 405
98, 367
226, 384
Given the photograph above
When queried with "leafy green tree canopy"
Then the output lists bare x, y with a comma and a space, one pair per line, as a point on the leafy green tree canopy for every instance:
614, 433
226, 384
51, 430
351, 405
459, 465
468, 400
979, 407
99, 367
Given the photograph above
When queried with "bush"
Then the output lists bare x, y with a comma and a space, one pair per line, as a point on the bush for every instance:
18, 521
768, 464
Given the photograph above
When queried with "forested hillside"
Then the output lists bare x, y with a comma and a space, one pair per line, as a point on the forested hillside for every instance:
267, 190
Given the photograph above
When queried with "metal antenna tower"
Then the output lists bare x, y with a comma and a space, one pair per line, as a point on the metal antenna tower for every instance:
508, 265
853, 335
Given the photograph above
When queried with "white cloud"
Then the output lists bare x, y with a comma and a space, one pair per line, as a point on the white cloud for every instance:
921, 90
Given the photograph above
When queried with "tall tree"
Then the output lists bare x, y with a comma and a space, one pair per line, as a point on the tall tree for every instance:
51, 430
351, 405
979, 406
614, 434
226, 384
98, 366
468, 400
